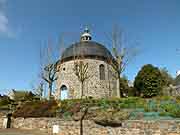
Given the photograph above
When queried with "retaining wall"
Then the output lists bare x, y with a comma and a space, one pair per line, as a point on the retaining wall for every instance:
129, 127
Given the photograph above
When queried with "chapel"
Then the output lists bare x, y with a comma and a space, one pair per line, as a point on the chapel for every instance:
101, 81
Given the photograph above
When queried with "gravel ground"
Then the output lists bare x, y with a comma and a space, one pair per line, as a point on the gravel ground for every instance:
21, 132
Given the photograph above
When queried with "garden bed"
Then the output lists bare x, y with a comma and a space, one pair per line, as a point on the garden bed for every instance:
114, 109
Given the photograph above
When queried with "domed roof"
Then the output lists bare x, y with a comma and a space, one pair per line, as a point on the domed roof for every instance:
86, 49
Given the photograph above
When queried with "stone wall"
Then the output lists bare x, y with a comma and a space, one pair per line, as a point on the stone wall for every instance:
31, 123
3, 116
163, 127
94, 87
1, 122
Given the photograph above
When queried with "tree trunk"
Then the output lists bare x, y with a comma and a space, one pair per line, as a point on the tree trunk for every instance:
109, 85
82, 89
50, 91
81, 120
41, 91
81, 126
120, 91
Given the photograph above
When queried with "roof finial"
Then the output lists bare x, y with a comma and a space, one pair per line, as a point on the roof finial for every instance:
86, 36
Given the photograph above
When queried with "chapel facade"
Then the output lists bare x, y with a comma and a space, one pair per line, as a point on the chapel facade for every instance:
102, 82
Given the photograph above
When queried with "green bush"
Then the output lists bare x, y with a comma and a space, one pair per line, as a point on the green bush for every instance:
149, 81
178, 99
176, 112
4, 101
164, 114
151, 106
132, 102
170, 107
164, 98
104, 104
132, 92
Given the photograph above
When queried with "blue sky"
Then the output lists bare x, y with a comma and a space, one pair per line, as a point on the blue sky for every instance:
27, 24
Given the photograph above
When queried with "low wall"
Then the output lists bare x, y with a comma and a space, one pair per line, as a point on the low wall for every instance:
3, 114
1, 122
139, 127
32, 123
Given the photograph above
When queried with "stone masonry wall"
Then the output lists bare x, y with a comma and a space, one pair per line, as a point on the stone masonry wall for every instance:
94, 87
163, 127
1, 122
31, 123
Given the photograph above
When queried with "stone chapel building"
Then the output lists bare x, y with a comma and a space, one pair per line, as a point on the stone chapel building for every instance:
101, 84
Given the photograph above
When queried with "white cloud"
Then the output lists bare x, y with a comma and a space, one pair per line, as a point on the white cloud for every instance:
3, 1
4, 21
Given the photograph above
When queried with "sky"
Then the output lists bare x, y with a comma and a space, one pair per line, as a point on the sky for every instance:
25, 25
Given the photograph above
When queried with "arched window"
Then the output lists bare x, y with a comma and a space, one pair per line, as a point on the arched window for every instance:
102, 72
64, 92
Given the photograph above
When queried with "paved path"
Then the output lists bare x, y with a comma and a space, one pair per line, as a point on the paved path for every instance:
21, 132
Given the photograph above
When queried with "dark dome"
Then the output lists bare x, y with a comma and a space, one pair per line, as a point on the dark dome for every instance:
87, 49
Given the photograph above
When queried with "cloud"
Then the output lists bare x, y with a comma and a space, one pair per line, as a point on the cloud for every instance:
3, 1
4, 21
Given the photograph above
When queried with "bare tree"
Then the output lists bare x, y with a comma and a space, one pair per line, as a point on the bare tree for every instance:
81, 68
122, 53
50, 76
81, 71
39, 90
49, 68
